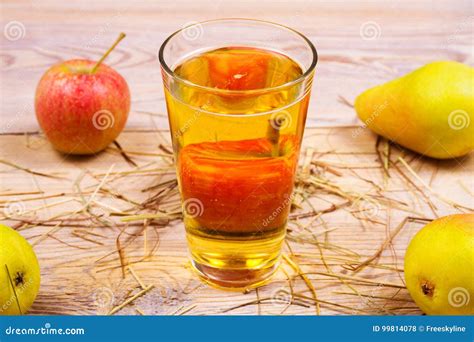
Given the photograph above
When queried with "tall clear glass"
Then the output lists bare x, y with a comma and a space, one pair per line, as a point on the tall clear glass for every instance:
237, 94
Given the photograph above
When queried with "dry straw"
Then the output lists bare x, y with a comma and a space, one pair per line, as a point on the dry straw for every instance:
320, 275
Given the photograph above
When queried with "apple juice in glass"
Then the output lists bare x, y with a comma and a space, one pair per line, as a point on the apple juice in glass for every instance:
237, 93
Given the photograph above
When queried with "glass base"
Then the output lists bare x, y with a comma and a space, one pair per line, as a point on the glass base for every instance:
232, 263
235, 280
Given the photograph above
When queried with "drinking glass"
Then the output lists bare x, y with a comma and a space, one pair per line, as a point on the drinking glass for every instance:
236, 140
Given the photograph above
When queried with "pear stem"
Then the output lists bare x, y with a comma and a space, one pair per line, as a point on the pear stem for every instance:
120, 37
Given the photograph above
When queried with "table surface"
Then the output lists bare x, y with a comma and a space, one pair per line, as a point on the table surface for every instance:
84, 274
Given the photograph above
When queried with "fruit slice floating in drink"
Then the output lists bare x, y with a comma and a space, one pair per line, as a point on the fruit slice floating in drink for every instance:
242, 188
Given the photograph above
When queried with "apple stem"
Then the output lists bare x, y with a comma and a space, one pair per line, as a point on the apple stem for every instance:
120, 37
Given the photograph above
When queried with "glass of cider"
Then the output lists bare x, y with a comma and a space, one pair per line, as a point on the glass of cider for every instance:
237, 93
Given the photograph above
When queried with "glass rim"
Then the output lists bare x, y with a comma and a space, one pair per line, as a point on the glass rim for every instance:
297, 80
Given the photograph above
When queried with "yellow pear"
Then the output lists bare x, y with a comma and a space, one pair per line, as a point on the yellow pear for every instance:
439, 266
430, 110
19, 273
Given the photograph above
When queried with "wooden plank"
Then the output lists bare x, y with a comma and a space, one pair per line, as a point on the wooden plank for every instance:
84, 276
399, 37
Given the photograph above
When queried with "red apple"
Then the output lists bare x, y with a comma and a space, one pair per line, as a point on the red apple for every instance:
82, 105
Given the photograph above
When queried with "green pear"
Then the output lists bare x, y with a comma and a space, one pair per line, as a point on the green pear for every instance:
430, 110
439, 264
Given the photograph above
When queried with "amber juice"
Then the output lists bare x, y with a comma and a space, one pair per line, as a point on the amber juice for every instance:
236, 146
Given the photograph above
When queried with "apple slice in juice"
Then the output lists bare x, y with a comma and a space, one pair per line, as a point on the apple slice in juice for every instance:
242, 188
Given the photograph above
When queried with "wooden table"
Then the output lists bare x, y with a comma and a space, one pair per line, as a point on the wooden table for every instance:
81, 265
360, 44
82, 272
